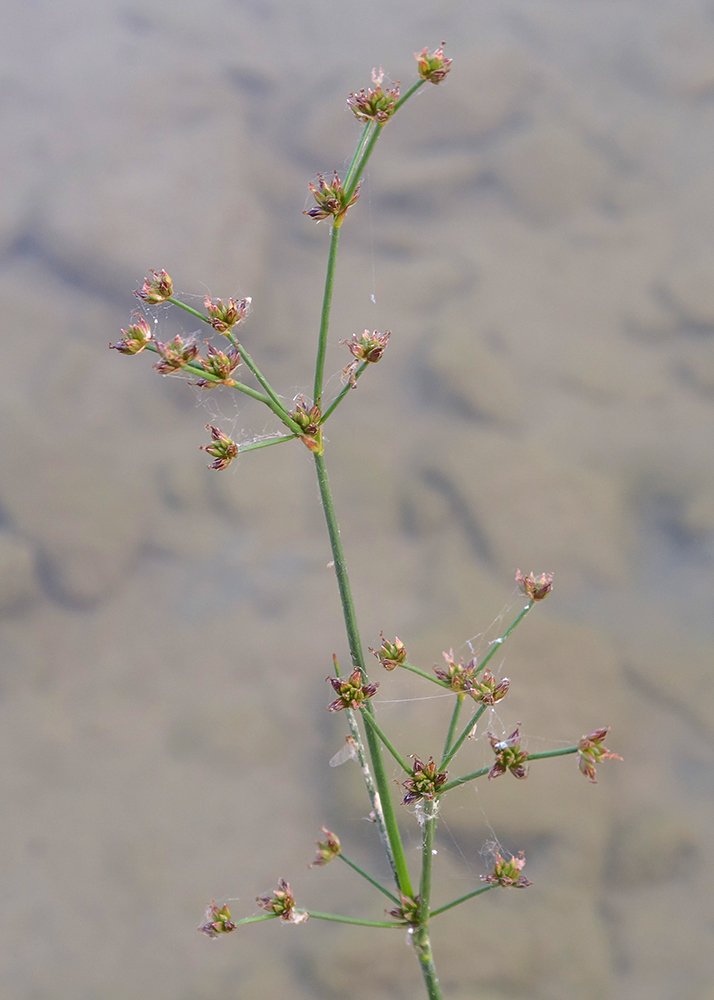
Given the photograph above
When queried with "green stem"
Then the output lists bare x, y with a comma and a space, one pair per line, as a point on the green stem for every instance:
369, 878
453, 724
196, 370
430, 810
343, 392
371, 721
412, 90
552, 753
194, 312
366, 153
422, 946
357, 153
325, 317
461, 899
457, 746
354, 920
357, 656
497, 643
255, 920
461, 781
265, 444
425, 675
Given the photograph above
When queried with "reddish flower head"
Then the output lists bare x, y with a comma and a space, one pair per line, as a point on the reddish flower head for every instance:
223, 449
331, 199
375, 105
390, 654
459, 676
369, 346
487, 690
217, 921
508, 873
327, 850
536, 588
425, 782
156, 289
282, 904
591, 750
509, 755
225, 316
351, 693
135, 338
433, 67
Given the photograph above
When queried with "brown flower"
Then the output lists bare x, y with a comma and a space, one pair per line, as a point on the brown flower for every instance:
282, 904
156, 289
433, 67
509, 755
217, 921
309, 420
508, 873
591, 751
408, 911
327, 850
219, 365
390, 654
351, 693
487, 690
174, 355
535, 588
225, 316
135, 338
375, 105
369, 346
223, 449
425, 782
459, 676
331, 199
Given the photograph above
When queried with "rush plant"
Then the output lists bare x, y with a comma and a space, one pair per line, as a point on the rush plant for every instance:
472, 684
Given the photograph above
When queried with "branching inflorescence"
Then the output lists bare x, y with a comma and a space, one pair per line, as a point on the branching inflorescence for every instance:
425, 783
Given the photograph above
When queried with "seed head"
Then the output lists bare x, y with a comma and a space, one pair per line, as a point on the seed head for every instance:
390, 654
536, 588
425, 782
282, 904
331, 199
223, 449
175, 355
408, 911
309, 420
459, 676
487, 690
135, 338
217, 921
369, 346
375, 105
351, 693
327, 850
509, 755
433, 67
591, 750
155, 289
508, 873
224, 316
220, 366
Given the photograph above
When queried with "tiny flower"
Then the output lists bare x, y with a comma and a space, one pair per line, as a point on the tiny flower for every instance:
390, 654
309, 421
509, 755
175, 355
433, 67
408, 911
376, 105
536, 588
591, 751
425, 781
221, 366
459, 676
225, 316
156, 289
222, 448
508, 873
487, 690
369, 346
351, 693
328, 850
282, 904
135, 338
217, 921
331, 199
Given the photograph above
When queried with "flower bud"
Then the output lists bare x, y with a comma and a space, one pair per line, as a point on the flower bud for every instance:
282, 904
174, 355
156, 289
217, 921
220, 366
487, 690
509, 755
459, 676
223, 449
376, 105
390, 654
433, 67
135, 338
425, 782
328, 850
591, 751
351, 693
535, 588
369, 346
309, 420
331, 199
508, 873
225, 316
408, 911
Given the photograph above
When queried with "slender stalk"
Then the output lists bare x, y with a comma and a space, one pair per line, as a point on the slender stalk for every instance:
425, 675
253, 445
457, 746
461, 899
354, 920
412, 90
461, 781
325, 317
255, 920
369, 878
453, 724
422, 946
362, 163
357, 656
371, 721
343, 392
357, 153
194, 312
196, 370
499, 642
431, 808
552, 753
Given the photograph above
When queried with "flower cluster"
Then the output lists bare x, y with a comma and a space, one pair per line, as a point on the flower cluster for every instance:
459, 676
390, 654
224, 316
223, 449
351, 693
536, 588
217, 921
327, 850
376, 105
508, 873
487, 690
135, 339
174, 355
369, 346
219, 367
156, 289
309, 421
282, 904
509, 755
408, 911
433, 67
331, 199
591, 751
425, 781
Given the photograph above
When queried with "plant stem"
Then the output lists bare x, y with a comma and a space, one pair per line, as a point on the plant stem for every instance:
357, 153
196, 370
412, 90
190, 309
354, 920
255, 920
325, 317
371, 721
453, 724
422, 946
457, 746
460, 781
357, 656
367, 152
253, 445
499, 642
552, 753
430, 810
369, 878
425, 675
461, 899
343, 392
